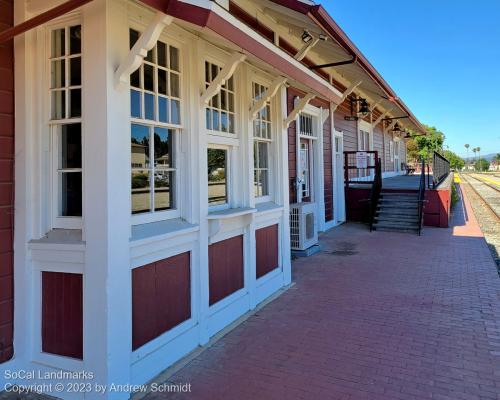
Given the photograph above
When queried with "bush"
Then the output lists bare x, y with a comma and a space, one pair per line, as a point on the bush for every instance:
454, 195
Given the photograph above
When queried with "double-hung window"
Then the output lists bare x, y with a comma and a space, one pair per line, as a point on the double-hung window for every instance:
262, 139
155, 122
220, 112
66, 127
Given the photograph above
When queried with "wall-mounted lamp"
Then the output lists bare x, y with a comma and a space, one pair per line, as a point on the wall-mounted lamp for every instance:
306, 36
396, 130
323, 37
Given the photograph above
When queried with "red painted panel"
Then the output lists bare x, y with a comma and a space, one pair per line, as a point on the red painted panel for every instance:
225, 267
6, 185
267, 250
437, 208
161, 297
356, 205
62, 314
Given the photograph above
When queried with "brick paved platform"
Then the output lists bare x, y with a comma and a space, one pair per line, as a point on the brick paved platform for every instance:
377, 315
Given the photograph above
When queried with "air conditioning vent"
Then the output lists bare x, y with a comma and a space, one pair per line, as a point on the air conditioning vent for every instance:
303, 232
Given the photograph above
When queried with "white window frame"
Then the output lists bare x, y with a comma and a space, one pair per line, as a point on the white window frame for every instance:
156, 216
55, 125
229, 176
236, 89
365, 127
270, 142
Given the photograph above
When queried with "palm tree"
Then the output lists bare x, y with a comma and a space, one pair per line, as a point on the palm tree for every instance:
467, 148
475, 151
480, 165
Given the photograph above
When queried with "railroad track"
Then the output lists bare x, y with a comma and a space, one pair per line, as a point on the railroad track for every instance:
491, 200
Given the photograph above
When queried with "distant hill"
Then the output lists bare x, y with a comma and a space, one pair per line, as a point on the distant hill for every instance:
488, 157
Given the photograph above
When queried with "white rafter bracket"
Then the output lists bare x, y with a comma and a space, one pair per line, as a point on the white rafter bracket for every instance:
299, 108
267, 96
347, 92
302, 53
222, 77
379, 119
140, 49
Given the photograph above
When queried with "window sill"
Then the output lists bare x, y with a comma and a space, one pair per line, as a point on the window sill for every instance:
161, 230
230, 213
268, 207
217, 218
60, 237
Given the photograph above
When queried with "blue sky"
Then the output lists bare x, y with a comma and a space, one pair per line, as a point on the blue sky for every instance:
442, 57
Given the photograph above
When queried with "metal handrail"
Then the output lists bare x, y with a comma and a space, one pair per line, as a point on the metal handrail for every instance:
440, 169
421, 197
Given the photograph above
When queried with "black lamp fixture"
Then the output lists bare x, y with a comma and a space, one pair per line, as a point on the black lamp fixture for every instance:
306, 36
396, 130
364, 109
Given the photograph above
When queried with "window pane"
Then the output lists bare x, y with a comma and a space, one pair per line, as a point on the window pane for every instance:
223, 122
70, 146
230, 84
71, 194
231, 123
150, 56
163, 142
140, 146
135, 104
141, 191
163, 111
75, 39
215, 71
176, 112
230, 102
174, 58
148, 77
75, 71
174, 85
58, 104
133, 37
58, 42
261, 183
208, 118
149, 106
162, 81
162, 54
215, 120
223, 99
207, 72
164, 190
58, 74
262, 150
135, 78
217, 182
75, 103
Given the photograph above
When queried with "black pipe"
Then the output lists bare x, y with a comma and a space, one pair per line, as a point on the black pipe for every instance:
335, 64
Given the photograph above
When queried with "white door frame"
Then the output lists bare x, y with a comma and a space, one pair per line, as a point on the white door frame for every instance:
338, 178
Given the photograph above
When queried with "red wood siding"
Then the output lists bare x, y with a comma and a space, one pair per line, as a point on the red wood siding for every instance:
266, 242
251, 21
6, 185
349, 128
62, 314
161, 297
225, 267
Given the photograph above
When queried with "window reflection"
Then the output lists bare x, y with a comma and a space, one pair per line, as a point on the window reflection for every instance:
217, 179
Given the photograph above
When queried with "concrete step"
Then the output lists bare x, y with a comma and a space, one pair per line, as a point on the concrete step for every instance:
392, 217
396, 224
394, 206
397, 201
398, 194
397, 211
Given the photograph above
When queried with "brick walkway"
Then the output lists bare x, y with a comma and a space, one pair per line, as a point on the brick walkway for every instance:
386, 316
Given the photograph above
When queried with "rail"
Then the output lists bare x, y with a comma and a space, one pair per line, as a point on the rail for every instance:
375, 191
421, 197
440, 169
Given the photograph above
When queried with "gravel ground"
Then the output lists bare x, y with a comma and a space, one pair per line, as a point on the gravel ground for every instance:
487, 220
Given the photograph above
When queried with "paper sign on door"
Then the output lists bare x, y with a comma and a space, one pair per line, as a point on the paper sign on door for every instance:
361, 159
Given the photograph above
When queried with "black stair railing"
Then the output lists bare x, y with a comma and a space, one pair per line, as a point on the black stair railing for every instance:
421, 197
375, 191
440, 169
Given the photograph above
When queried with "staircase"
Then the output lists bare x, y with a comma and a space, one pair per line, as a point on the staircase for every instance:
397, 212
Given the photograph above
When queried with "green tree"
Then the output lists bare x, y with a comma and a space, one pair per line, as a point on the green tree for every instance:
482, 165
430, 143
497, 157
456, 162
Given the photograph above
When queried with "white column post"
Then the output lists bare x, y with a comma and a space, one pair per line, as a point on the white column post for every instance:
106, 137
282, 146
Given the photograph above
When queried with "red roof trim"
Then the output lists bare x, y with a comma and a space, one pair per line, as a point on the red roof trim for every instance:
206, 18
